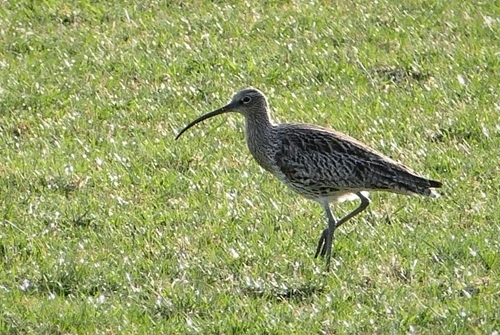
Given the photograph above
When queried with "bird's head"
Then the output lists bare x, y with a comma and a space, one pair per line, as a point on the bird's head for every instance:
249, 102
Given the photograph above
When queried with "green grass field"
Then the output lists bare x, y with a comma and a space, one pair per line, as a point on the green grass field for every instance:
110, 226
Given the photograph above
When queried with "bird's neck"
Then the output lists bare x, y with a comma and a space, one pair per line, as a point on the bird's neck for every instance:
258, 124
259, 138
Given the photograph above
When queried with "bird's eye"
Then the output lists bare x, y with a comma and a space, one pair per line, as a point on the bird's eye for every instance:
246, 99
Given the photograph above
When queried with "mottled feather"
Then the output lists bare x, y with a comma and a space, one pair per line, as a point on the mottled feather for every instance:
320, 162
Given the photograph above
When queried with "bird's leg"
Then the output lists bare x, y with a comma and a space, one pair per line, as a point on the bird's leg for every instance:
362, 206
326, 239
322, 243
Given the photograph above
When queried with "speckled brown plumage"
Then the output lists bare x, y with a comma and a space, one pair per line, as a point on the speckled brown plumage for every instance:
319, 163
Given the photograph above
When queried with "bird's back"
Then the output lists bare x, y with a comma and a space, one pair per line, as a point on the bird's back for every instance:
318, 162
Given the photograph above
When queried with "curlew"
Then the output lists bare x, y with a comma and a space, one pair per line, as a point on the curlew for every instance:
320, 164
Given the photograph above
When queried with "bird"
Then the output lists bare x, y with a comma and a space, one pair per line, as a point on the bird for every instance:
319, 163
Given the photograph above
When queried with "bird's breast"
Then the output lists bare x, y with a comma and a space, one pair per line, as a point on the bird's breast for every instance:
261, 150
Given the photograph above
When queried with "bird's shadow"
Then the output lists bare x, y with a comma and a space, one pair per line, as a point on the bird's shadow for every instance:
280, 294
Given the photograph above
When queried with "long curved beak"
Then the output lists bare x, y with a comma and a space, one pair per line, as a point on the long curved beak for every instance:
222, 110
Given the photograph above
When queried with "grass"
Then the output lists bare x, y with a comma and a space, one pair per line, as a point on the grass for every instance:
108, 225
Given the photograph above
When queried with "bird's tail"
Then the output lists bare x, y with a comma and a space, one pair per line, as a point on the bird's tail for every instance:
431, 189
422, 186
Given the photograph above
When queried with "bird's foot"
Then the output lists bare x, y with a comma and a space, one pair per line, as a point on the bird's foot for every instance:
321, 249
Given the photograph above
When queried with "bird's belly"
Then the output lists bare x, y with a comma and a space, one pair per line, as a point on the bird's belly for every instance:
312, 191
322, 192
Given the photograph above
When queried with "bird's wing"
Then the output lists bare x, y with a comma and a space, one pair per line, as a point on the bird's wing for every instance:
326, 160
